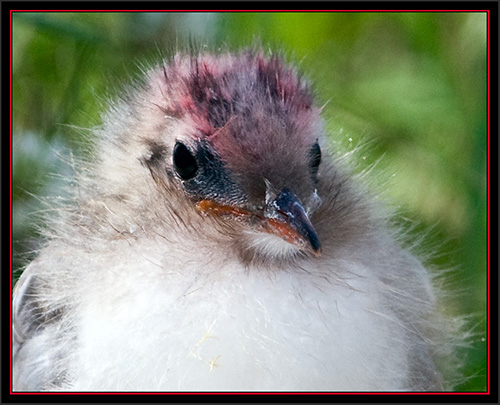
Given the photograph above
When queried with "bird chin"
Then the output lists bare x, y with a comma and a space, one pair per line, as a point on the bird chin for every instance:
266, 237
271, 246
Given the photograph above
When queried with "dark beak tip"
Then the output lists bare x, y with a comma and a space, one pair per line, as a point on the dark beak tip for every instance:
296, 217
315, 245
317, 252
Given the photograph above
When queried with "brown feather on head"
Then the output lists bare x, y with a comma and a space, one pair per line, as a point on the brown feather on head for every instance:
245, 122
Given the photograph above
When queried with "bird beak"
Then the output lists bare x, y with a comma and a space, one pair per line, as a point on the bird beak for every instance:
284, 216
287, 217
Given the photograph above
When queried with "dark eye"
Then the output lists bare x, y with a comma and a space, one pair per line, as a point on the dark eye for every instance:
184, 162
315, 156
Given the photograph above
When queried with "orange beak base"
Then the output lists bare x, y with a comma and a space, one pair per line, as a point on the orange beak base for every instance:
281, 228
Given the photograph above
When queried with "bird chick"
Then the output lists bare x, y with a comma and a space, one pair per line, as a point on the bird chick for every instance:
214, 243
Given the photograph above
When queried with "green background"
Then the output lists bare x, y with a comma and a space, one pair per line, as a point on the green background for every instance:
409, 88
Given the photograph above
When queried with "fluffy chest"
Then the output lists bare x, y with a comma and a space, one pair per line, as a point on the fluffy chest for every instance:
224, 327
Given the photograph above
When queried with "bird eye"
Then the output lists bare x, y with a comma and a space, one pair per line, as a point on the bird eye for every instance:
184, 162
315, 154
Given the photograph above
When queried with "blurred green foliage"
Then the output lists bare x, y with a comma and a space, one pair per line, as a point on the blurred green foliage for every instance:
412, 85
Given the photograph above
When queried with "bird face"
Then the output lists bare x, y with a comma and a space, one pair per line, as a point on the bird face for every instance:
244, 146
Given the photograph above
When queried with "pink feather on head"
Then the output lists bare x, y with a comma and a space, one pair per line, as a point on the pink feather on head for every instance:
250, 107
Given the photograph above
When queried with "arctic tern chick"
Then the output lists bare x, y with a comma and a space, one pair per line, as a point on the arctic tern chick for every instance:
214, 243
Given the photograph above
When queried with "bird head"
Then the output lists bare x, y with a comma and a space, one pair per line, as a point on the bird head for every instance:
240, 141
